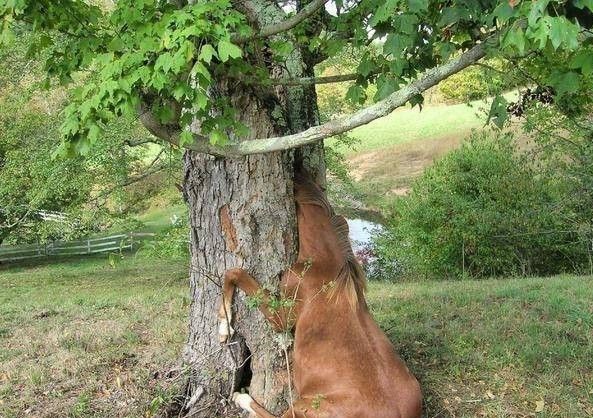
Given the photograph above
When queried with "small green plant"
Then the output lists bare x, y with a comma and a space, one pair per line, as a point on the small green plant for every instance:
82, 406
256, 300
316, 402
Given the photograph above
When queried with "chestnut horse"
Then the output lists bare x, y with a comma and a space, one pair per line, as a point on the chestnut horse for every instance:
344, 366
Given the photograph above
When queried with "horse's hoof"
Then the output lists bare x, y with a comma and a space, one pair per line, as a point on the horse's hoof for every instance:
225, 331
243, 401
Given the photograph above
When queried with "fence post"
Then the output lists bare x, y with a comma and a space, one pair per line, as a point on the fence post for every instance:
88, 245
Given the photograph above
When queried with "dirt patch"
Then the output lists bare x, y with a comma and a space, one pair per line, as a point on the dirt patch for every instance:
398, 165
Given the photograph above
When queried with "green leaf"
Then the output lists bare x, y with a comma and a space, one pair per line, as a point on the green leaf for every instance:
515, 39
200, 100
385, 86
395, 44
504, 11
94, 133
282, 48
70, 126
563, 32
218, 137
583, 60
384, 12
537, 10
180, 91
498, 111
227, 50
417, 6
159, 80
206, 53
565, 83
200, 69
185, 138
356, 94
406, 23
366, 66
417, 100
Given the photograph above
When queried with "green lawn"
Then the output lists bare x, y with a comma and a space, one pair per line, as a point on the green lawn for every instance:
84, 339
406, 125
157, 218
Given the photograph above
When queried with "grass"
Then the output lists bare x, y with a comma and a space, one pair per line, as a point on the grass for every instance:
86, 340
157, 218
83, 339
408, 125
393, 151
495, 348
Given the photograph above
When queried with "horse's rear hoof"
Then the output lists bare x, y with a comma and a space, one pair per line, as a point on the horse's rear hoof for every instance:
225, 332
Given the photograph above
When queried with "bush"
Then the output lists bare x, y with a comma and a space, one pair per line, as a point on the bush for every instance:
474, 83
482, 210
170, 243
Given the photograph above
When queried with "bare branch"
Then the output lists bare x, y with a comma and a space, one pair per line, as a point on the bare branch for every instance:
304, 81
285, 25
138, 142
382, 108
300, 81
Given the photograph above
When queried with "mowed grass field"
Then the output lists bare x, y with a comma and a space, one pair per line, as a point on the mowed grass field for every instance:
86, 339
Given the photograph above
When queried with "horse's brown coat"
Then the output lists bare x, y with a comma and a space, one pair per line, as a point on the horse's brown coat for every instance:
344, 366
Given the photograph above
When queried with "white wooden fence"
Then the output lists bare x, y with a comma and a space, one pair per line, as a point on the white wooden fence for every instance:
127, 241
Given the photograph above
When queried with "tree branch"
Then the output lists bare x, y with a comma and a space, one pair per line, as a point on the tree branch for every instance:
138, 142
301, 81
382, 108
304, 81
285, 25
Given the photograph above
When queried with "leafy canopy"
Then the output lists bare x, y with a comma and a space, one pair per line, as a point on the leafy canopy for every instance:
163, 56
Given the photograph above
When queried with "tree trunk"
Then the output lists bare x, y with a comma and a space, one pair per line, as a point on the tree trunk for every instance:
242, 215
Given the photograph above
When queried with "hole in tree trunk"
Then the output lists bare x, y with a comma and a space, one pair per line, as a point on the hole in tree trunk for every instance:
246, 373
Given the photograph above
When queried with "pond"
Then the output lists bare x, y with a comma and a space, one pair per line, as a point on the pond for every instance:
361, 232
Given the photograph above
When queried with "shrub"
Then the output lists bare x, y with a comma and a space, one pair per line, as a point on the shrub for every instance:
172, 242
474, 83
482, 210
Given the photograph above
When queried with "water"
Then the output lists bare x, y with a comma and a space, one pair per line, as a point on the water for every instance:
361, 231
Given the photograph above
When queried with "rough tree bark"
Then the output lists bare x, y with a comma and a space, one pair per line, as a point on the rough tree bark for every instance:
242, 214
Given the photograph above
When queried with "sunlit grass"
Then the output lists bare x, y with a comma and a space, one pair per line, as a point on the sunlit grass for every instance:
85, 339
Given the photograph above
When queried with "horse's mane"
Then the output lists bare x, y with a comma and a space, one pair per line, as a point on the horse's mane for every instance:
350, 280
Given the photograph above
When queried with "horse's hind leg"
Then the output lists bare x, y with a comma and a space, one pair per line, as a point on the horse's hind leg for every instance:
246, 402
241, 279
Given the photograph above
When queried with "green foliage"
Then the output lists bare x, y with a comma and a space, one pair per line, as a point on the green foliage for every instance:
139, 52
87, 189
163, 57
482, 210
476, 82
171, 242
